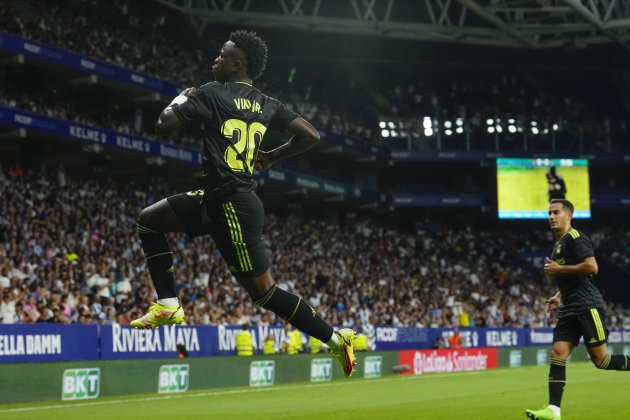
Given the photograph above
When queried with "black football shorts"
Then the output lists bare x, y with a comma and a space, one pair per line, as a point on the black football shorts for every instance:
235, 222
589, 324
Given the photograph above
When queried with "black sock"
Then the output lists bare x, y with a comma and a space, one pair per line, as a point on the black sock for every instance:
557, 380
294, 310
159, 258
616, 362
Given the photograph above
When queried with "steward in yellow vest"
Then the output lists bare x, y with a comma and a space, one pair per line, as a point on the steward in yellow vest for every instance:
292, 343
270, 345
296, 341
244, 346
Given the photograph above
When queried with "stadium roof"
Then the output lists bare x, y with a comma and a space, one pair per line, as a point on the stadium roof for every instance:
533, 24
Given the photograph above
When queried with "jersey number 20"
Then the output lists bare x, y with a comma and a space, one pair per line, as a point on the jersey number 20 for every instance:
245, 141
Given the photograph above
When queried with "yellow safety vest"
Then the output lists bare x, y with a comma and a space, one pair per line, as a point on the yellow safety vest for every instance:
269, 347
296, 341
288, 348
244, 344
316, 345
360, 342
293, 343
464, 320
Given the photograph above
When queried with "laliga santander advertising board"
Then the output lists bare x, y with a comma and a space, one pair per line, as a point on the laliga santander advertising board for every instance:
448, 360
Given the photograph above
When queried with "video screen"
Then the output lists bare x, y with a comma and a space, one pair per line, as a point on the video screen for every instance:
525, 186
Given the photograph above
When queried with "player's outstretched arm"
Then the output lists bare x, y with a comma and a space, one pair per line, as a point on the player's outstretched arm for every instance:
304, 137
167, 122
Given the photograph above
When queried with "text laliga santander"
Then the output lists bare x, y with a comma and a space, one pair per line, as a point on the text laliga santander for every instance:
448, 360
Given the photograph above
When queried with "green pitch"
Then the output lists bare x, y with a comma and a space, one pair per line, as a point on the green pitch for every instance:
496, 394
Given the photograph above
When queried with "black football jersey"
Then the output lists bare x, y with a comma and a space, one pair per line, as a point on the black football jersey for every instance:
579, 292
234, 117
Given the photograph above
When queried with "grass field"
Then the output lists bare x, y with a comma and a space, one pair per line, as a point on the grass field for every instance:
496, 394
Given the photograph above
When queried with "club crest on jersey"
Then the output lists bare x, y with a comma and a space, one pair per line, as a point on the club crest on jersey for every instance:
558, 249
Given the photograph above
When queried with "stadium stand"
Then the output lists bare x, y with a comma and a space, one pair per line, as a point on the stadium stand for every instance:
93, 28
75, 258
417, 220
526, 110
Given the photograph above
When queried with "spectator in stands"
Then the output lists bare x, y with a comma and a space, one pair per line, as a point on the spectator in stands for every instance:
8, 308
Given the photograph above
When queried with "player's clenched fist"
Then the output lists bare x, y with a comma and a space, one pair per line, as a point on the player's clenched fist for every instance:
263, 161
552, 267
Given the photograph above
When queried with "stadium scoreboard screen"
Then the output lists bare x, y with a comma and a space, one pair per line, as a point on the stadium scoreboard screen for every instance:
525, 186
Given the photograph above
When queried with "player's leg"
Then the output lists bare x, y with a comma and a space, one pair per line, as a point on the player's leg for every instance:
604, 360
290, 307
296, 311
558, 371
557, 379
595, 336
566, 335
153, 222
236, 226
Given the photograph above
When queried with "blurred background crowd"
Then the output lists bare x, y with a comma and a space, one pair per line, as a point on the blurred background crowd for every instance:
70, 254
68, 249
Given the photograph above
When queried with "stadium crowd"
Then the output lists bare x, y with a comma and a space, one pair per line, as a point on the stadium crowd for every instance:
93, 28
134, 123
616, 246
69, 254
68, 247
55, 107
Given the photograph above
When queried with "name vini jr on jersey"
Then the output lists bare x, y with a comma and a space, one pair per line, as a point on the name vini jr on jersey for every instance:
246, 104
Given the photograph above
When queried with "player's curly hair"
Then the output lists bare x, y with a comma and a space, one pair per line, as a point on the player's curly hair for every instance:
255, 51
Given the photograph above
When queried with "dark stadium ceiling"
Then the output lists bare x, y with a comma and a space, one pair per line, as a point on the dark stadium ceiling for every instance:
503, 23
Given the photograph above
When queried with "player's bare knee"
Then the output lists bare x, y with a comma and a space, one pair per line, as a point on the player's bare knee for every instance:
598, 361
254, 293
257, 287
557, 354
144, 217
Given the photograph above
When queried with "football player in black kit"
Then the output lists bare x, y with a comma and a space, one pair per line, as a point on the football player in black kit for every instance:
234, 116
581, 307
557, 187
